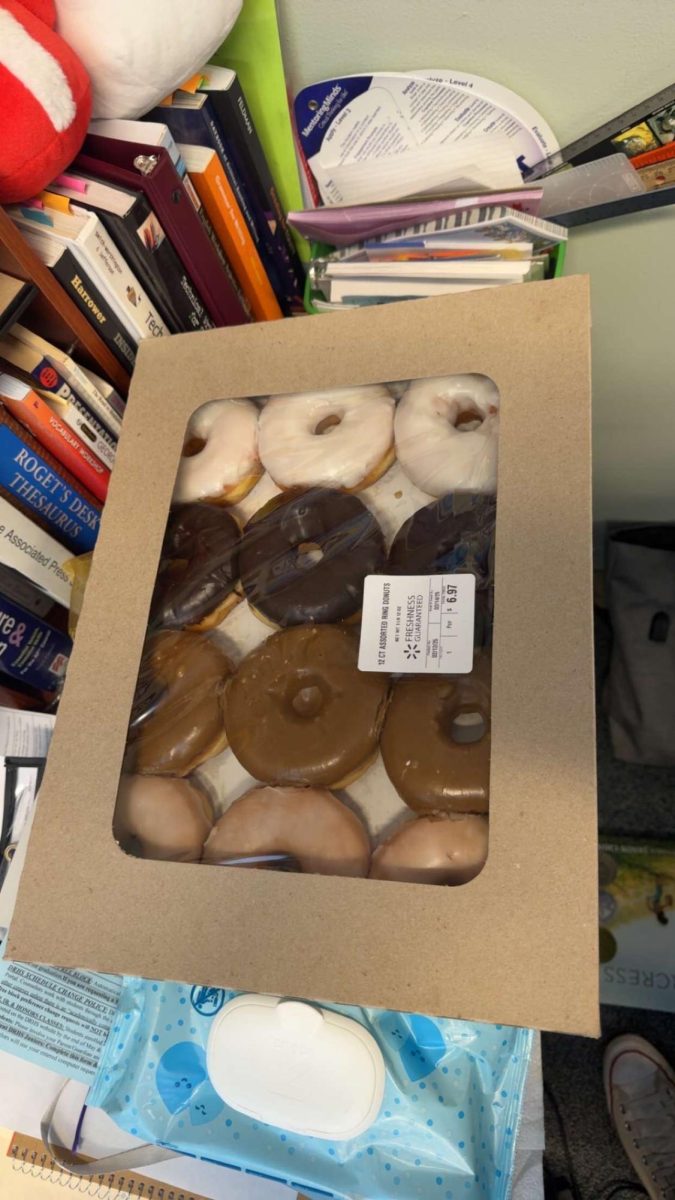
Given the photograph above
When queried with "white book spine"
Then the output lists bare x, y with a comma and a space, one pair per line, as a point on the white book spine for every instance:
130, 300
33, 553
87, 431
88, 391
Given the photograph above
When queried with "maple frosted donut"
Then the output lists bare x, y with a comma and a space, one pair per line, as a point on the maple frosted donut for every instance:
310, 825
447, 434
444, 848
436, 740
304, 557
177, 720
164, 818
342, 438
220, 460
299, 711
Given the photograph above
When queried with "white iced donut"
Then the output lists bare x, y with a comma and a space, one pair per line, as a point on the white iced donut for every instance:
447, 434
220, 455
341, 438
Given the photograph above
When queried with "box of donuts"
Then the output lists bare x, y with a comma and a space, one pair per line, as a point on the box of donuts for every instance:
328, 725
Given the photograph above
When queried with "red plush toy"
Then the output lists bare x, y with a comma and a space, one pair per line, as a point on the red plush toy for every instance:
45, 99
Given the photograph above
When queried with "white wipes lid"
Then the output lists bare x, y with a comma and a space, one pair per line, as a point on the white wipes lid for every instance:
297, 1066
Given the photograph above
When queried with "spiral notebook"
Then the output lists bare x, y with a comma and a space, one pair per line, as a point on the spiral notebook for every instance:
27, 1172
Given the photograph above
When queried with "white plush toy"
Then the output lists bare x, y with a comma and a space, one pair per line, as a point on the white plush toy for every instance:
137, 51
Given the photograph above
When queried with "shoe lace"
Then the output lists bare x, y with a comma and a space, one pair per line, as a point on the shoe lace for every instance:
649, 1117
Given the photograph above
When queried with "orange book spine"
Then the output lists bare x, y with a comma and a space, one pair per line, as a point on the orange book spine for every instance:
34, 412
224, 213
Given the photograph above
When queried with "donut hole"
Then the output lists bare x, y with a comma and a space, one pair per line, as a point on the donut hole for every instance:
468, 419
308, 555
327, 424
464, 725
193, 446
306, 695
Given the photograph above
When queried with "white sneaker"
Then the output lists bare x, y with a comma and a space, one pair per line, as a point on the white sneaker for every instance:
640, 1090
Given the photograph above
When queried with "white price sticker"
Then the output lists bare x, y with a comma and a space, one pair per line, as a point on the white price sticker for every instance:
418, 624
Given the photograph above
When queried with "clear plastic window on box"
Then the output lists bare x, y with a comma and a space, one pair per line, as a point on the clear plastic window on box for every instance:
314, 690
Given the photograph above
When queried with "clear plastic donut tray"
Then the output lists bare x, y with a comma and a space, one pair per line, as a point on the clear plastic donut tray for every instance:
250, 698
334, 667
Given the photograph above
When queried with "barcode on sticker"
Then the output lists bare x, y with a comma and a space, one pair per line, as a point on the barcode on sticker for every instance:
418, 623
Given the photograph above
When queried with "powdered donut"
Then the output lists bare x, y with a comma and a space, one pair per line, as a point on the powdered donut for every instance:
198, 568
299, 711
177, 720
315, 829
157, 817
443, 848
304, 557
447, 434
340, 438
220, 456
436, 740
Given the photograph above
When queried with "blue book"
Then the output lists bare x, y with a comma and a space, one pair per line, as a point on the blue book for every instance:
193, 119
35, 483
31, 650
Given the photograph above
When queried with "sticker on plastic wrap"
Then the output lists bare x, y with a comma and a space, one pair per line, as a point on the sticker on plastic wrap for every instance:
56, 1018
418, 624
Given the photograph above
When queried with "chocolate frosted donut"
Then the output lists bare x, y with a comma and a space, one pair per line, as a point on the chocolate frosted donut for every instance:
198, 568
310, 825
442, 848
453, 535
299, 711
176, 720
304, 557
436, 740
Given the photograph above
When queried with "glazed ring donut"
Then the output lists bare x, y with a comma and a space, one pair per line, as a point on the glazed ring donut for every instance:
156, 817
304, 557
310, 825
177, 720
299, 711
443, 848
341, 438
198, 569
436, 740
220, 460
447, 434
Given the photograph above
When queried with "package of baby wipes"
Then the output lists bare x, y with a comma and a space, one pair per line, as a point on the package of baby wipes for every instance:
339, 1101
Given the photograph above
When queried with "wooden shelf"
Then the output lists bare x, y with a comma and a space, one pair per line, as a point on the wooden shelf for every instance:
60, 320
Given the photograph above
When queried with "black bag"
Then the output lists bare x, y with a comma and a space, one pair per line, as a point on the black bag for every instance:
640, 693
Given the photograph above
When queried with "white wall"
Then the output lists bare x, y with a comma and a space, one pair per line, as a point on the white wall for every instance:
631, 263
580, 63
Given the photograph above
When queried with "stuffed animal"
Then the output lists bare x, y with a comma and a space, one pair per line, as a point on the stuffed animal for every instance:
45, 99
137, 51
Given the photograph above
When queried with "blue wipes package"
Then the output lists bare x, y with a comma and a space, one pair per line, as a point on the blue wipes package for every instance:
445, 1128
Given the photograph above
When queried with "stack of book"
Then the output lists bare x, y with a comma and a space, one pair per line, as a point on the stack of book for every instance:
428, 248
160, 226
59, 424
169, 224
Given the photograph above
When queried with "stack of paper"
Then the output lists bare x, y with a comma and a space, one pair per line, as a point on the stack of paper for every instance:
420, 179
485, 246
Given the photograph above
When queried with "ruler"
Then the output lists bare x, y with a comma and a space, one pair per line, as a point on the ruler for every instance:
598, 142
32, 1170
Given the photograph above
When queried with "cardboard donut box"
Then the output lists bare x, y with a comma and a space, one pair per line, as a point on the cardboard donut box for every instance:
518, 944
